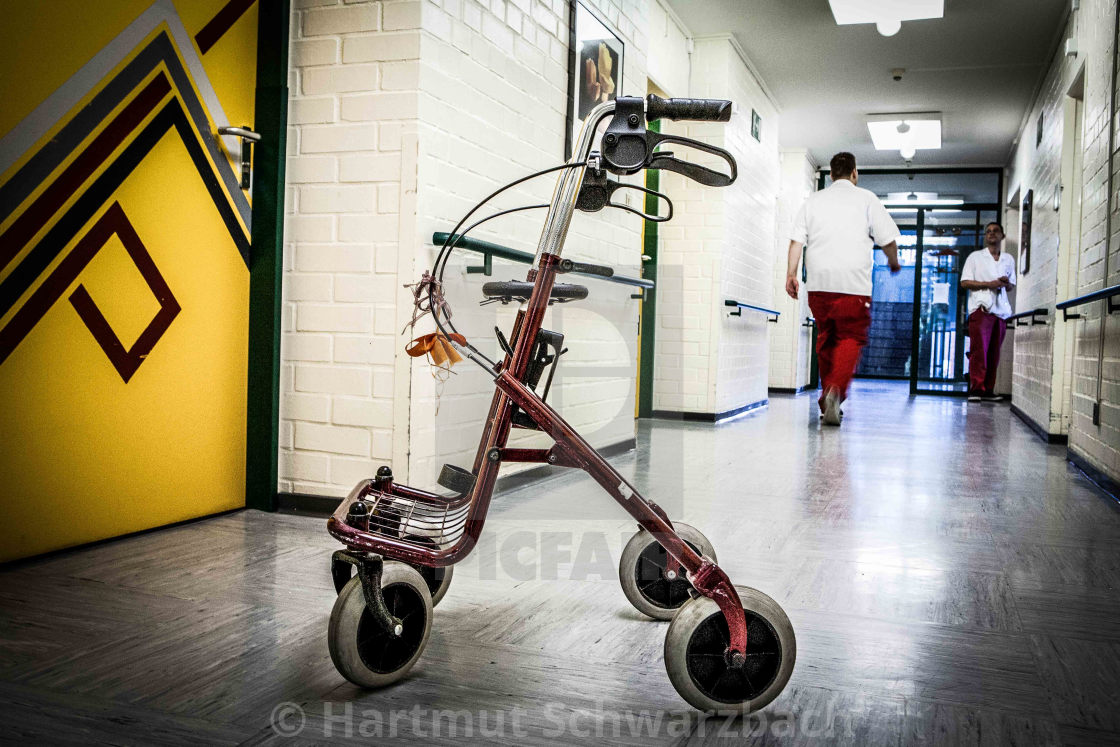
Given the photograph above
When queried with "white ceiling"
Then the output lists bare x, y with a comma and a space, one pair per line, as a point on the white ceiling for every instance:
979, 66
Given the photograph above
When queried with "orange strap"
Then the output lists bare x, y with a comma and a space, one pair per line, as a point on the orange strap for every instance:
438, 347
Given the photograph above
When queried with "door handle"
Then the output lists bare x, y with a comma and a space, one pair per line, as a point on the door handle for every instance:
248, 137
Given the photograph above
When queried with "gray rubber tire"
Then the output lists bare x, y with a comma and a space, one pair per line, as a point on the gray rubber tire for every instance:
438, 579
628, 571
438, 586
768, 630
353, 650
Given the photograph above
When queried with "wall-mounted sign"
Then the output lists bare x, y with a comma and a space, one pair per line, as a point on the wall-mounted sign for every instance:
1025, 236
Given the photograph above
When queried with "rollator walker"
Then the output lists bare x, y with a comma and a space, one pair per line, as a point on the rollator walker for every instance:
729, 649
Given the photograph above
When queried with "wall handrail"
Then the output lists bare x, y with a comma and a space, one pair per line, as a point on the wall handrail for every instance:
1013, 321
739, 306
490, 250
809, 322
1110, 292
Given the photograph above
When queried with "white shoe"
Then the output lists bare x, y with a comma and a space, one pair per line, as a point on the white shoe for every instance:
831, 414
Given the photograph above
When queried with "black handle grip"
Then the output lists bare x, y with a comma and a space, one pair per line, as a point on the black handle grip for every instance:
567, 265
701, 110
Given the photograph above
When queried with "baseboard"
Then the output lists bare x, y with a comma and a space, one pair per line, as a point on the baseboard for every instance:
17, 562
325, 505
1110, 487
306, 505
709, 417
1045, 435
790, 390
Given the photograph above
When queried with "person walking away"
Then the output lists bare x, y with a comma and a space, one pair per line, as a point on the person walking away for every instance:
840, 227
988, 275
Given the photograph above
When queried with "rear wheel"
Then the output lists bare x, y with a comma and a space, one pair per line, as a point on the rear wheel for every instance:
438, 579
702, 672
646, 582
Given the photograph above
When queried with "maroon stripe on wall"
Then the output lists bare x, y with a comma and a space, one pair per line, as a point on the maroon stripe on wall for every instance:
126, 361
221, 23
39, 212
55, 285
113, 221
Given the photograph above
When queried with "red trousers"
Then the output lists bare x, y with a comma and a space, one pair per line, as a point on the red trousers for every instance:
842, 322
985, 334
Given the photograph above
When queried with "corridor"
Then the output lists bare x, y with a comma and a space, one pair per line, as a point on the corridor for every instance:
951, 580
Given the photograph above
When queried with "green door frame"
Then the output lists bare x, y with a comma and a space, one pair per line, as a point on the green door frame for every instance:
266, 267
648, 318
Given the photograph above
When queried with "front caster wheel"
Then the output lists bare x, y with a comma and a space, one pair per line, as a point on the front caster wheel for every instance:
701, 672
644, 580
361, 649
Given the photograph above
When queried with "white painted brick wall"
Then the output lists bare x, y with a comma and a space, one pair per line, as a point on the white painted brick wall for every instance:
790, 342
719, 245
340, 342
750, 221
402, 115
1039, 168
493, 84
668, 57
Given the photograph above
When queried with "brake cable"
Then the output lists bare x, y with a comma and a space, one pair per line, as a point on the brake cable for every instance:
445, 252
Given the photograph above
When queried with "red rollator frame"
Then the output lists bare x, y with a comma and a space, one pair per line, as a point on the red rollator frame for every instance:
382, 519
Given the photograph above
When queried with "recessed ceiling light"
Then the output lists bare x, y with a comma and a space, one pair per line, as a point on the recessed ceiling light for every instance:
944, 201
920, 197
918, 131
887, 15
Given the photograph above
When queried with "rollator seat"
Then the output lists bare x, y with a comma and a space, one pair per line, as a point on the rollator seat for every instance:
521, 289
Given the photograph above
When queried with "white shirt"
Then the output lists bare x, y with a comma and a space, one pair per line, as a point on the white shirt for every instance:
840, 227
983, 267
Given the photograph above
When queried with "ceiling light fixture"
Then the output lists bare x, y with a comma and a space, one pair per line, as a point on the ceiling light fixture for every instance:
888, 27
928, 203
887, 15
918, 197
905, 132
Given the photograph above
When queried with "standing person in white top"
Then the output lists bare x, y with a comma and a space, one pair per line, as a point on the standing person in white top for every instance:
841, 226
987, 275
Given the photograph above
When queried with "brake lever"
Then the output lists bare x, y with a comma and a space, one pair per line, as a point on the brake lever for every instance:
665, 161
598, 188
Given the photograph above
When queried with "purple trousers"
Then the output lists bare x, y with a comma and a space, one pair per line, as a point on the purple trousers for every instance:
985, 332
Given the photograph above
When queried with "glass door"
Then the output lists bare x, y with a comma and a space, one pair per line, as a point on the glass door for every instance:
943, 239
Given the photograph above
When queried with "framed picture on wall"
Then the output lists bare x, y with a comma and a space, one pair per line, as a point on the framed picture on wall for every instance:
1025, 234
595, 56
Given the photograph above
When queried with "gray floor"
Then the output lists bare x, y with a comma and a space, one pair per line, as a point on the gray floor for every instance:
951, 579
